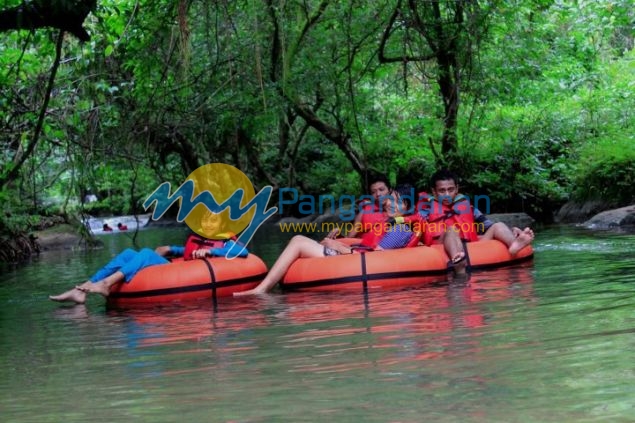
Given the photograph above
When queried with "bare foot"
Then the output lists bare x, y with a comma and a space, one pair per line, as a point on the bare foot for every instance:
517, 231
95, 288
255, 291
521, 241
74, 295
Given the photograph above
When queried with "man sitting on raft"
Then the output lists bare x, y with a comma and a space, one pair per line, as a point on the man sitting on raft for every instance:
382, 237
378, 186
129, 262
450, 214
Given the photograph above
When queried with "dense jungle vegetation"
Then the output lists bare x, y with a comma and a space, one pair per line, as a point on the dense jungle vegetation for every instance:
531, 101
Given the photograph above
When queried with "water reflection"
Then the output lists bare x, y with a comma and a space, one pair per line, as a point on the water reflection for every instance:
548, 341
398, 326
386, 327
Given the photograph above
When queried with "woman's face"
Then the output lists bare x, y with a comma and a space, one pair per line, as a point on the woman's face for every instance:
392, 204
379, 189
211, 224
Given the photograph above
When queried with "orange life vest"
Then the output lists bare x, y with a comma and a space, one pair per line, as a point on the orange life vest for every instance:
196, 242
458, 216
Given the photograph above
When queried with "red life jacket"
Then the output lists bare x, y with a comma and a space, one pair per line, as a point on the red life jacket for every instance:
196, 242
417, 225
423, 202
371, 220
371, 238
458, 215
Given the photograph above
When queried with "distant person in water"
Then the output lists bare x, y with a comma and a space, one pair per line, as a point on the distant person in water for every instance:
129, 262
106, 228
122, 227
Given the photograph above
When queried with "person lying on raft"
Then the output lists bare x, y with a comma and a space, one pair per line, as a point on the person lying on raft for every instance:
450, 219
389, 237
129, 262
378, 186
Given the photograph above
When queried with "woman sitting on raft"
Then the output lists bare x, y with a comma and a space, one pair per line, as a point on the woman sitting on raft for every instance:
129, 262
383, 237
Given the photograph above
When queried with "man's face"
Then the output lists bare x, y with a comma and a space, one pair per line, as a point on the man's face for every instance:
446, 189
378, 189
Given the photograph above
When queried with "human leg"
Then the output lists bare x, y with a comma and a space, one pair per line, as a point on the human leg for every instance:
515, 240
114, 265
299, 247
103, 286
122, 267
140, 260
78, 293
455, 250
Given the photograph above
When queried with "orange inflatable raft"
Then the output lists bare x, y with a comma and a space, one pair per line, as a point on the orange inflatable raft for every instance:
181, 280
392, 268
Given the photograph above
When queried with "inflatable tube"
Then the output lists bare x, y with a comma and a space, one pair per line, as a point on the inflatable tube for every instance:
391, 268
181, 280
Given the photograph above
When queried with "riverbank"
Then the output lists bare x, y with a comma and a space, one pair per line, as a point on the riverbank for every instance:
64, 236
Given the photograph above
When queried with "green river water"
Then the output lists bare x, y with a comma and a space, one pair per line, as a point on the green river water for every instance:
549, 341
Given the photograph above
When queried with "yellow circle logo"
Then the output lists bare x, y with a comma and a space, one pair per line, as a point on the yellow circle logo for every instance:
222, 181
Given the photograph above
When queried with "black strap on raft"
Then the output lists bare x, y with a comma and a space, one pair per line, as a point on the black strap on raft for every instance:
360, 247
213, 281
364, 274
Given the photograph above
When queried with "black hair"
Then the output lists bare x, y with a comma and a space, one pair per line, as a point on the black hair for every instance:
373, 177
443, 175
407, 194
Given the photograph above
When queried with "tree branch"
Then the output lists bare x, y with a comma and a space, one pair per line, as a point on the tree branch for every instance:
384, 39
332, 134
65, 15
12, 174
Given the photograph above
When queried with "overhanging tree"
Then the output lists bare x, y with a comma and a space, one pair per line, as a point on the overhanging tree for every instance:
445, 33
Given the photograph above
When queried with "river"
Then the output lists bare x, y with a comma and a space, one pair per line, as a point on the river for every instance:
549, 341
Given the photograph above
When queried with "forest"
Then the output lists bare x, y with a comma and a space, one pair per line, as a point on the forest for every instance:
532, 102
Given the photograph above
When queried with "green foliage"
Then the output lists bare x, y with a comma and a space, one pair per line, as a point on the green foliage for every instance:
546, 103
607, 176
